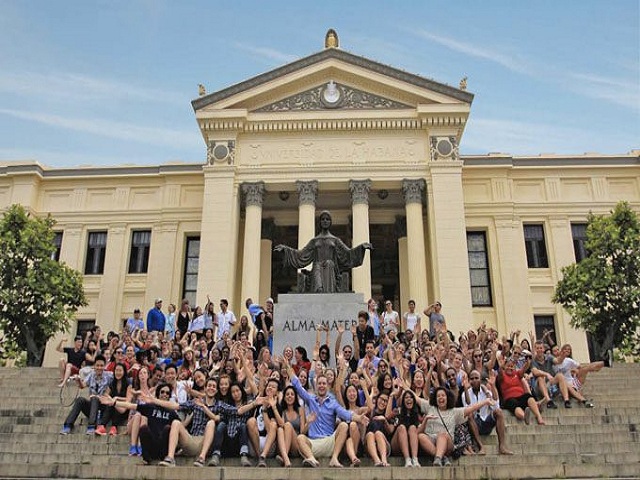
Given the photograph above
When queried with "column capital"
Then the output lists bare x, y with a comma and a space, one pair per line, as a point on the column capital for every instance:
360, 191
412, 190
307, 192
268, 228
253, 193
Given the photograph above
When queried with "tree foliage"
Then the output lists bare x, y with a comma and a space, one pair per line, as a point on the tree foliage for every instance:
602, 292
38, 295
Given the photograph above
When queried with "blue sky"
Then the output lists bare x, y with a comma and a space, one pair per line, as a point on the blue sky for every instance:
110, 82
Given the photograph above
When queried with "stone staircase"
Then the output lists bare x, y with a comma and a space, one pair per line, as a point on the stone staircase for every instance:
578, 443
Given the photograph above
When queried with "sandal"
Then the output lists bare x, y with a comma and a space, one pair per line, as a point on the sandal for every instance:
355, 463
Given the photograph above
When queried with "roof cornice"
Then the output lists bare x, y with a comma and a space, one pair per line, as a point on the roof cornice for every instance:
342, 55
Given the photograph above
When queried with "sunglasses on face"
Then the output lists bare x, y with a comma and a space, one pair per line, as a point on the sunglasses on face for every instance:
165, 392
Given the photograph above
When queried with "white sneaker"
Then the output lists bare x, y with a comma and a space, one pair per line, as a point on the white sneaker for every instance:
415, 462
408, 462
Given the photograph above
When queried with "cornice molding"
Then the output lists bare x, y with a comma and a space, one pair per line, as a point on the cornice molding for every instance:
338, 54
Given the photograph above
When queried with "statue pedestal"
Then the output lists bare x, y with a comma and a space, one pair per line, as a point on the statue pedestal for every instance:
297, 316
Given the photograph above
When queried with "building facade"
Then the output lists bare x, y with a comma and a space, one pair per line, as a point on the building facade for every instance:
378, 147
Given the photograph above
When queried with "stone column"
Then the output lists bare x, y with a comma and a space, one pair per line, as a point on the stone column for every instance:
412, 191
307, 194
266, 246
561, 254
253, 194
403, 263
361, 276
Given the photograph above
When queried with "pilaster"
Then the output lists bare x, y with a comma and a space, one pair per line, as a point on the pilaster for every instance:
112, 285
161, 268
561, 244
218, 233
449, 243
514, 278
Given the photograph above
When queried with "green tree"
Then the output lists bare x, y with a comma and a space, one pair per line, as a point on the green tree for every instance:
38, 295
602, 292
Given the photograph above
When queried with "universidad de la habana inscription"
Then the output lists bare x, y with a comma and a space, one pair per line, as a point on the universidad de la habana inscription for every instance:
352, 151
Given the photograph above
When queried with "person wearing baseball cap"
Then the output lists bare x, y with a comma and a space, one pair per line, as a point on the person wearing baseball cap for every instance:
155, 318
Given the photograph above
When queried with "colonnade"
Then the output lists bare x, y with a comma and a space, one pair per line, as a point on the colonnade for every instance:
253, 194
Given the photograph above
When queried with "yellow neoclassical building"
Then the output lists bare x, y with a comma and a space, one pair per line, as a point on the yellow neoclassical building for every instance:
377, 146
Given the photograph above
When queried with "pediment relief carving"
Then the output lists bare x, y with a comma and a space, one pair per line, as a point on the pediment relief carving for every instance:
333, 96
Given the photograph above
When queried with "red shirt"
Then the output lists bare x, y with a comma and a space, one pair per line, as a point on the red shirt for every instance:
511, 385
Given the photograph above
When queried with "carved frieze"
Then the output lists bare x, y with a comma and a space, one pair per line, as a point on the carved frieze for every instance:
333, 95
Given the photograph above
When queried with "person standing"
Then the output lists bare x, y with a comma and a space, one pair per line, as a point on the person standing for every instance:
155, 318
226, 318
411, 319
134, 323
436, 319
390, 318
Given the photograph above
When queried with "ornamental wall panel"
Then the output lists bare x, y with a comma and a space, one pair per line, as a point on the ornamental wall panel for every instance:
100, 199
624, 189
56, 200
191, 196
477, 191
576, 189
529, 191
144, 198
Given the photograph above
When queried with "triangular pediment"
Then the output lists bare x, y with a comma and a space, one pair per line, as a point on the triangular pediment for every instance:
332, 96
362, 84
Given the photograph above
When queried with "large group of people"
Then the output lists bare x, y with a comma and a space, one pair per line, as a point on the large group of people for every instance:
200, 383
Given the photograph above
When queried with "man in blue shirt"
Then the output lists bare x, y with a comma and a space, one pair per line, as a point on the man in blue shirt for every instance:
324, 439
155, 318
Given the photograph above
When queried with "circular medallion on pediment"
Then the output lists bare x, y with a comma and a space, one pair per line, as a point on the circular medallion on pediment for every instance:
331, 95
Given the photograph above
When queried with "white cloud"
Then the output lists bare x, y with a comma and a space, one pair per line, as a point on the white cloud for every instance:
266, 53
516, 137
614, 90
78, 87
510, 61
107, 128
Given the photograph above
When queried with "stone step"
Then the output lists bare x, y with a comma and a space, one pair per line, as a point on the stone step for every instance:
585, 470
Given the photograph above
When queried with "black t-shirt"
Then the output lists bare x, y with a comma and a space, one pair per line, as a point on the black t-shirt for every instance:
75, 358
363, 337
157, 417
183, 321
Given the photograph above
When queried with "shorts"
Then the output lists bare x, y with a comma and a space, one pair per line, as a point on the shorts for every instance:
74, 370
486, 426
517, 402
192, 446
323, 447
263, 441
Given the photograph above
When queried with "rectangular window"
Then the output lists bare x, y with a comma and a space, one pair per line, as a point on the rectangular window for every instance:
96, 250
84, 326
139, 256
535, 245
57, 242
544, 323
479, 269
191, 260
579, 234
